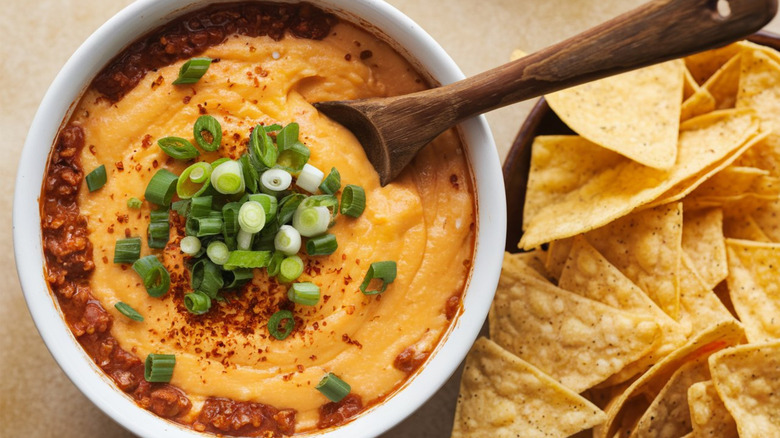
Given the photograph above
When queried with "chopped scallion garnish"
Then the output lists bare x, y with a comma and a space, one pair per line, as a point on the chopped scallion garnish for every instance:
178, 148
332, 387
283, 318
262, 151
97, 178
192, 70
128, 311
332, 183
206, 277
197, 302
244, 240
195, 180
353, 200
159, 367
311, 221
248, 259
127, 250
209, 126
159, 229
305, 294
269, 202
290, 269
218, 252
155, 277
274, 181
384, 272
275, 264
228, 178
134, 203
287, 240
190, 245
287, 207
161, 188
236, 277
322, 245
251, 217
310, 178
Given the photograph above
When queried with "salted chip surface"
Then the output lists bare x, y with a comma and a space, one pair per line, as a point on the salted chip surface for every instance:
754, 287
624, 412
709, 416
635, 114
705, 64
502, 395
646, 247
739, 224
723, 85
706, 144
734, 183
524, 263
700, 308
589, 274
578, 341
703, 242
668, 415
747, 377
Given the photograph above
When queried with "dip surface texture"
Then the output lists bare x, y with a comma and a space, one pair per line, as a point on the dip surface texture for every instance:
425, 221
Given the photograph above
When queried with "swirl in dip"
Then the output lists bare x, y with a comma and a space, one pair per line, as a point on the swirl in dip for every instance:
232, 377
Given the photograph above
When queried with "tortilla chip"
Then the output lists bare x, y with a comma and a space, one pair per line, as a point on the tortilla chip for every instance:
561, 164
503, 396
734, 183
525, 263
705, 143
589, 274
741, 225
634, 114
690, 86
579, 342
766, 213
747, 379
709, 416
753, 286
646, 246
759, 86
624, 412
668, 415
703, 242
700, 308
723, 85
705, 64
701, 102
557, 254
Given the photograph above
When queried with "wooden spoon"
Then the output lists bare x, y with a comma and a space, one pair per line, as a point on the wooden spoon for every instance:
392, 130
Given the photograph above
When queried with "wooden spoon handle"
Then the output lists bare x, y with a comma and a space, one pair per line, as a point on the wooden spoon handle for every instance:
657, 31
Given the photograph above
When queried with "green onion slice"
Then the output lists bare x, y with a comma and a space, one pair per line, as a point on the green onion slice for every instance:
310, 178
178, 148
293, 158
290, 269
244, 240
322, 245
264, 240
228, 178
197, 302
287, 207
247, 259
97, 178
204, 226
181, 207
250, 174
128, 311
190, 245
329, 201
206, 277
286, 320
201, 206
332, 183
194, 181
262, 151
353, 200
251, 217
311, 221
269, 202
332, 387
218, 252
288, 136
155, 277
287, 240
384, 271
159, 229
305, 294
272, 128
236, 277
159, 367
209, 126
192, 70
274, 181
134, 203
127, 250
275, 264
161, 188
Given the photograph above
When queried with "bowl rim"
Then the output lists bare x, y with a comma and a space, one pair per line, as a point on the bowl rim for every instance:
134, 21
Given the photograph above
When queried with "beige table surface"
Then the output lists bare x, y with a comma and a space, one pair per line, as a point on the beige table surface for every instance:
36, 398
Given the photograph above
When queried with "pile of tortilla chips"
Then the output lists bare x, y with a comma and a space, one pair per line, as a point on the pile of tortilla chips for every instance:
647, 303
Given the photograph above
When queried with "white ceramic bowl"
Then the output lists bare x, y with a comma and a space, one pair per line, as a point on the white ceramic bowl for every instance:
146, 15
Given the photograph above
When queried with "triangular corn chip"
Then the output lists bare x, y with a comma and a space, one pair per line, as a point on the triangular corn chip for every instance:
705, 64
709, 416
502, 395
700, 308
703, 242
634, 114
